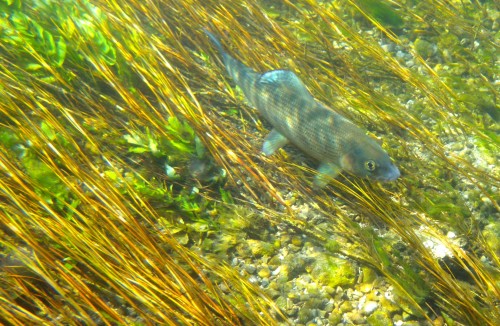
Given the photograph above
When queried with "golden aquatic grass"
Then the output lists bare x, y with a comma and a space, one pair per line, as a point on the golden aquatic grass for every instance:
97, 253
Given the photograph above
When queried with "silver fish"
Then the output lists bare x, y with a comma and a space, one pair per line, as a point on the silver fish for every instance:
284, 101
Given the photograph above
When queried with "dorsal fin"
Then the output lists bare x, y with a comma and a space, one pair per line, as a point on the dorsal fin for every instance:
286, 80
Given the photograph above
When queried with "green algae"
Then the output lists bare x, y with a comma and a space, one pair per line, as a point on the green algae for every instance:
379, 318
164, 175
382, 12
333, 272
424, 48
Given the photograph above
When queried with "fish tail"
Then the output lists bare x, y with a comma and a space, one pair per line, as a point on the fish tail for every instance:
226, 58
244, 76
215, 40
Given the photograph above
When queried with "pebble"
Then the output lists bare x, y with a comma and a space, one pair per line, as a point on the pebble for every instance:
356, 294
356, 318
412, 323
345, 306
439, 321
369, 307
276, 271
373, 296
366, 287
335, 317
297, 241
264, 272
272, 293
223, 287
250, 269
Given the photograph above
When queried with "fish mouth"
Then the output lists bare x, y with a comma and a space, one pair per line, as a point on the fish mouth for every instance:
391, 175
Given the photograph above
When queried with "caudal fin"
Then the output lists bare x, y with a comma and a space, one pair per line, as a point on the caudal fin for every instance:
215, 40
241, 74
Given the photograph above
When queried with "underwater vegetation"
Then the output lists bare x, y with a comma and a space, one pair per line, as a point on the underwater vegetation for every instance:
133, 190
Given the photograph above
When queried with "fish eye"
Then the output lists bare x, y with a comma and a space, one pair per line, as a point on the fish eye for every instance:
370, 165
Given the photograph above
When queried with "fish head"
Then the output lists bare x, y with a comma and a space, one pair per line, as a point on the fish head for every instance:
368, 160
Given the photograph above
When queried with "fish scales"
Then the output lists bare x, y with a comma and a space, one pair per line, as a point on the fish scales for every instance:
284, 101
306, 123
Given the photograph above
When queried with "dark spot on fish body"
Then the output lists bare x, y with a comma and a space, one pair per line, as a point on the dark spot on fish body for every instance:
281, 109
319, 137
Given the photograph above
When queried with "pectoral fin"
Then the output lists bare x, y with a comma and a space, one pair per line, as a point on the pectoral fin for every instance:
273, 142
326, 172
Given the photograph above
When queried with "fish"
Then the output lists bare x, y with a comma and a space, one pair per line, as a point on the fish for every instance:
298, 118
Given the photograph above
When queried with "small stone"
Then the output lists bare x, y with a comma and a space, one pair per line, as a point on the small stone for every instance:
293, 266
388, 305
304, 316
313, 289
345, 306
330, 290
332, 271
373, 296
292, 312
369, 307
250, 269
398, 320
223, 287
304, 297
284, 239
275, 261
335, 317
329, 306
356, 294
293, 296
457, 146
369, 275
339, 297
490, 159
439, 321
379, 318
274, 286
297, 241
365, 287
356, 318
412, 323
276, 271
260, 248
387, 47
272, 293
424, 48
282, 280
281, 303
264, 272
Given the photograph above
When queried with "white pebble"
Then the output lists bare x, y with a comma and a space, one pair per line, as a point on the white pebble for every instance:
369, 307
